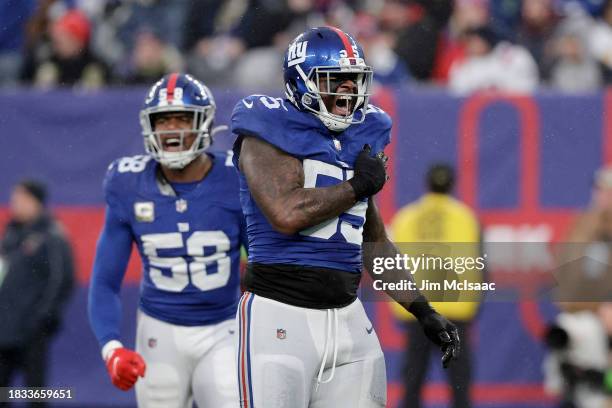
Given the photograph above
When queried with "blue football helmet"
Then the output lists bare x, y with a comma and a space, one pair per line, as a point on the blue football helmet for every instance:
316, 63
178, 93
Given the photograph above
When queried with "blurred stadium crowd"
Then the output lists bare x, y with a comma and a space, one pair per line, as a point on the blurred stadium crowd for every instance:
463, 44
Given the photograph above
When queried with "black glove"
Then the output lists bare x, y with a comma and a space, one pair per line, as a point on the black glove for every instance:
437, 328
370, 173
556, 338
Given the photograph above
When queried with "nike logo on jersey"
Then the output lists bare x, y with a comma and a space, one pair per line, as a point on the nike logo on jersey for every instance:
370, 330
248, 104
230, 331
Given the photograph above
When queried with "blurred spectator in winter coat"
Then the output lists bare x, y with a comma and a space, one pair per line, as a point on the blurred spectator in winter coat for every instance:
600, 41
65, 59
573, 68
535, 32
417, 43
36, 279
13, 17
151, 59
491, 64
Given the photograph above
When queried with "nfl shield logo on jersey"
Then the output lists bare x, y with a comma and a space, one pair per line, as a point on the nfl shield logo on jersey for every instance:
337, 144
152, 342
281, 334
144, 211
181, 205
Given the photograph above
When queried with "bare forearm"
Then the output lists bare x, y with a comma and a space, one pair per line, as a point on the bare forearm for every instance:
276, 181
307, 207
437, 328
378, 244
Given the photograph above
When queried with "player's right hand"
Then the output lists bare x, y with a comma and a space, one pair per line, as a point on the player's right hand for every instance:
124, 367
370, 173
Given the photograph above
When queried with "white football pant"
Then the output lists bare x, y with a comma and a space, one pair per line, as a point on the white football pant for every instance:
294, 357
185, 364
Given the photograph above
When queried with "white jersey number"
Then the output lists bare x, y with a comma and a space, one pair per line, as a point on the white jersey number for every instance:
352, 234
134, 164
180, 269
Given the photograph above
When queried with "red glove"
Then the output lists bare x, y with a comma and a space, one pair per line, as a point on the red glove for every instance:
124, 367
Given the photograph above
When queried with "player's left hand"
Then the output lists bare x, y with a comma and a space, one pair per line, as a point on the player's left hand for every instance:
444, 334
437, 328
385, 159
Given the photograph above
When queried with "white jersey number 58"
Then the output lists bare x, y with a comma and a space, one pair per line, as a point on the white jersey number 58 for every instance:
181, 269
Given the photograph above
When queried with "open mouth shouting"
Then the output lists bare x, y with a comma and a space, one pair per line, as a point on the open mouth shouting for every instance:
343, 105
341, 99
171, 143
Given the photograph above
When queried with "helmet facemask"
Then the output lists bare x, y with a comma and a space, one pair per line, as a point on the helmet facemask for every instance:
323, 84
202, 118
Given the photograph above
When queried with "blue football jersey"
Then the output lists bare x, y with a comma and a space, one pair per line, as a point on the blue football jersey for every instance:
328, 159
189, 243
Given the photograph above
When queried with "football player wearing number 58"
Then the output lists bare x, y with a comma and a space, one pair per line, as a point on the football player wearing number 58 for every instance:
179, 204
310, 166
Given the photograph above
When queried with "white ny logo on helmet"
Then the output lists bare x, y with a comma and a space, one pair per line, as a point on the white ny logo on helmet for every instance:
296, 53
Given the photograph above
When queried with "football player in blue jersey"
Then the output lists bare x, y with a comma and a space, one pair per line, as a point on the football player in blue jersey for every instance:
310, 166
180, 205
